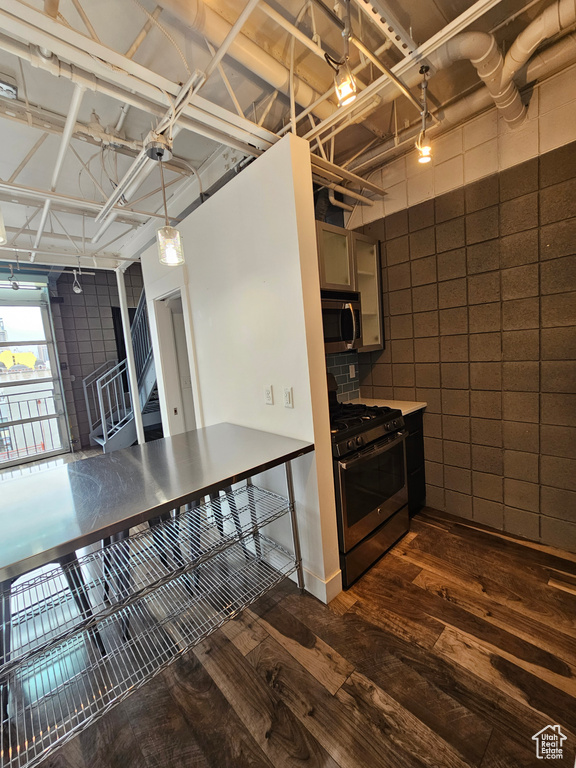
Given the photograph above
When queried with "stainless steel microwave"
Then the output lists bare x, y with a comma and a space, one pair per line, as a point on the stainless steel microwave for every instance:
341, 321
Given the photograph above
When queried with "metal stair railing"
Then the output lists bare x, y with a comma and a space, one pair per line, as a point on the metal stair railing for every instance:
89, 385
109, 406
141, 341
114, 412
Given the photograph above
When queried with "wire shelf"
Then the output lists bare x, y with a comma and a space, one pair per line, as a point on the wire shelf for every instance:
45, 608
58, 693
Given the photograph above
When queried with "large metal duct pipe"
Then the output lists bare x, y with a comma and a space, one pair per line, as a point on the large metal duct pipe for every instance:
481, 49
555, 58
557, 17
203, 20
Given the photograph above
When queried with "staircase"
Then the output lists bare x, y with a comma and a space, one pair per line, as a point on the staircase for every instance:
107, 396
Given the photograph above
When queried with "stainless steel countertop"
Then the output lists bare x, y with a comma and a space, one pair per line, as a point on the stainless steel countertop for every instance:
46, 515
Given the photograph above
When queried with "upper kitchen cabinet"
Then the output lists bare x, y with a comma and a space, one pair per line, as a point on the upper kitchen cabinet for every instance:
367, 262
336, 256
351, 262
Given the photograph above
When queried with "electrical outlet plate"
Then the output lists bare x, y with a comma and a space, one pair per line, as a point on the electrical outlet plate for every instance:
288, 398
268, 394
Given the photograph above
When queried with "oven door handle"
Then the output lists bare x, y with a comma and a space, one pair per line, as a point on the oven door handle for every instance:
353, 340
376, 452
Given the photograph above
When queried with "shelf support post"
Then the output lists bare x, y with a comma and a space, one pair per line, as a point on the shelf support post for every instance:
294, 525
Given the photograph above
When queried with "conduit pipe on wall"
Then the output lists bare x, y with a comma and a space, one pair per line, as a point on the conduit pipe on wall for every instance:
203, 20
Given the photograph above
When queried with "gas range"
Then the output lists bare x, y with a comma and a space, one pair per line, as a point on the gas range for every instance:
354, 426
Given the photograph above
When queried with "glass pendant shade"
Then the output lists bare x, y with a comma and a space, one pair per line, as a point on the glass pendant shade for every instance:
3, 239
345, 85
424, 153
170, 246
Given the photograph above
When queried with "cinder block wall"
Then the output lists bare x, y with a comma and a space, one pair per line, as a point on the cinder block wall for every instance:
480, 319
85, 335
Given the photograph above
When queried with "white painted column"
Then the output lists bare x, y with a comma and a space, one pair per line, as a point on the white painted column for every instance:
131, 365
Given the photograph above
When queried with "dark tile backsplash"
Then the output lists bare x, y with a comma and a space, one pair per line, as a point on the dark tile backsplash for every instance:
339, 365
480, 313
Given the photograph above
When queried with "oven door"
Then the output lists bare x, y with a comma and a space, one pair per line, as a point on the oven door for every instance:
371, 487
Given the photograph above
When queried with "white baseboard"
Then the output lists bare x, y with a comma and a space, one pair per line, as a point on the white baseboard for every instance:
324, 589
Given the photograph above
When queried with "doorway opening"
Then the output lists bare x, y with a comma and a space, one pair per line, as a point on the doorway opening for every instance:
175, 364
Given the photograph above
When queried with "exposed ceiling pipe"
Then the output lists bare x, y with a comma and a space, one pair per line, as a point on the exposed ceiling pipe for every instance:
203, 20
557, 17
64, 144
338, 203
553, 59
481, 49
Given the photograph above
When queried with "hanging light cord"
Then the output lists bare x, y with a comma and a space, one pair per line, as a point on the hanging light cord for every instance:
424, 113
337, 63
163, 192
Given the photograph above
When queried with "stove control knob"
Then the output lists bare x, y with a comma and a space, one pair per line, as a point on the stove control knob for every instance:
350, 444
359, 441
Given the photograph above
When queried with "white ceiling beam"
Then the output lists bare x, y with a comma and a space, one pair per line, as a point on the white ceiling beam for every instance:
141, 36
68, 260
31, 232
97, 60
62, 149
226, 81
74, 204
334, 173
230, 37
27, 158
44, 120
86, 20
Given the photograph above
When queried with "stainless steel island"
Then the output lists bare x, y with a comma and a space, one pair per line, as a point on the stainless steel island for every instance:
81, 630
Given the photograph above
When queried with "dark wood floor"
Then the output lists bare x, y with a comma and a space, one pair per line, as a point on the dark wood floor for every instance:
453, 651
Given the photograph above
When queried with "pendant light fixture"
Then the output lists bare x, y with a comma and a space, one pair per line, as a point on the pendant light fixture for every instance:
422, 143
169, 240
76, 287
344, 81
3, 238
12, 280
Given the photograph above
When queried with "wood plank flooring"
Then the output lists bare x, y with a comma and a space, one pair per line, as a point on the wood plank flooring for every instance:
452, 652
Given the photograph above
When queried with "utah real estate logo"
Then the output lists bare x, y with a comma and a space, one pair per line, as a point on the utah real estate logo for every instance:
549, 743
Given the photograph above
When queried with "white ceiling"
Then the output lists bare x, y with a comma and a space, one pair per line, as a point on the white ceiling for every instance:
44, 100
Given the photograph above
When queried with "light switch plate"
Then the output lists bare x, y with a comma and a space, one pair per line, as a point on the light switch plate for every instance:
268, 394
288, 398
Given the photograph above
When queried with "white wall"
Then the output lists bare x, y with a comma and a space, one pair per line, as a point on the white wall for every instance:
483, 145
251, 302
